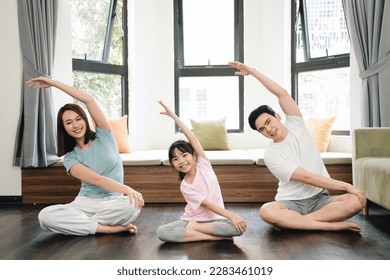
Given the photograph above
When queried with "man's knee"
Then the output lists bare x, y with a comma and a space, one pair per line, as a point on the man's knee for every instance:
352, 204
266, 213
355, 204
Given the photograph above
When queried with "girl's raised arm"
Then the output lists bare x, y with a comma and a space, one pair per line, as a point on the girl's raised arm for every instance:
93, 108
187, 132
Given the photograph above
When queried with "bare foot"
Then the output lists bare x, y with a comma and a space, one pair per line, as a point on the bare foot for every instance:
132, 228
345, 225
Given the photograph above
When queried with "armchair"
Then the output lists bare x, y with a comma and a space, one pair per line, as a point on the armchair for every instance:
371, 164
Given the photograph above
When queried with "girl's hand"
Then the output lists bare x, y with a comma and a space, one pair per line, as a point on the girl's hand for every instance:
239, 223
168, 111
42, 82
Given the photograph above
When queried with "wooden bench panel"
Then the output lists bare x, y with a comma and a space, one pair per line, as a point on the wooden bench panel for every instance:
246, 183
159, 184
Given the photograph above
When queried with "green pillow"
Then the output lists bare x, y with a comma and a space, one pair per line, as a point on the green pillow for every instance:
211, 134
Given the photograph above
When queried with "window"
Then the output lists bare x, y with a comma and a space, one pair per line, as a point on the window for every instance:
320, 61
99, 51
208, 34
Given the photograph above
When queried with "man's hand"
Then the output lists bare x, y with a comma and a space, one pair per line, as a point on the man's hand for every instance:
244, 69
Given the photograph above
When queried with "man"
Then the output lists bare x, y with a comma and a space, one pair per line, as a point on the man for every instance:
303, 200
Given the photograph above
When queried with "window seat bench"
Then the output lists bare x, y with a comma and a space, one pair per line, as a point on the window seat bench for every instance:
242, 175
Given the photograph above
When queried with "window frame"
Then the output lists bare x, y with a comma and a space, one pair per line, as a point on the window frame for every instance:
310, 64
209, 70
103, 67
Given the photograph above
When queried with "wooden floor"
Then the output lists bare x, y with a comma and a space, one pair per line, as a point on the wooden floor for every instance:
21, 238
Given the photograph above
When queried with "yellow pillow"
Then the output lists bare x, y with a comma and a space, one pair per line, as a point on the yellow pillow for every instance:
320, 129
120, 131
211, 134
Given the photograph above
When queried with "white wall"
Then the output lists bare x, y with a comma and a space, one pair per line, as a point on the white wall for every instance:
267, 25
10, 81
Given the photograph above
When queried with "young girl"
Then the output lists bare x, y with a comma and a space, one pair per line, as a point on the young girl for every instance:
104, 204
205, 217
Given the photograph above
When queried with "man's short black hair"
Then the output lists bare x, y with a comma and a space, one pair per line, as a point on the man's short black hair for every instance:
257, 112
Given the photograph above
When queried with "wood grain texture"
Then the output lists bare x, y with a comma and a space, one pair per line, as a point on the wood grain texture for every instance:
159, 184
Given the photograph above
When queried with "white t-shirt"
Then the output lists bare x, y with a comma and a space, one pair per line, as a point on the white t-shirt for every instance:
204, 186
297, 150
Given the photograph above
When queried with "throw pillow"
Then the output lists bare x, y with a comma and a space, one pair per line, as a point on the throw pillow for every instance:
320, 129
120, 131
211, 134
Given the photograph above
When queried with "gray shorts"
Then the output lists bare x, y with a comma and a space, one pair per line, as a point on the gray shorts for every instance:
308, 205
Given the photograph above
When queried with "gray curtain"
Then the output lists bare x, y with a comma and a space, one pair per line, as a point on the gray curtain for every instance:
368, 23
35, 144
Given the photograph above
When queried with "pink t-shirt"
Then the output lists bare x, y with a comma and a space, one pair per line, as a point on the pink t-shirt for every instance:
204, 186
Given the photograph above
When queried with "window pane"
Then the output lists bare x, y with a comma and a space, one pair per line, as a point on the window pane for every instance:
204, 98
327, 29
106, 89
208, 32
299, 49
325, 93
116, 47
89, 23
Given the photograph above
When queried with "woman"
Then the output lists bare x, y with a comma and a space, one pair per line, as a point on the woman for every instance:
104, 204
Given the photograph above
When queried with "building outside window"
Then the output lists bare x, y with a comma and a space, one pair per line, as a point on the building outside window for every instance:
99, 51
208, 34
320, 61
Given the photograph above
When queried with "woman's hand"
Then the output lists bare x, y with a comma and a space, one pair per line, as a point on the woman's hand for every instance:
136, 198
40, 82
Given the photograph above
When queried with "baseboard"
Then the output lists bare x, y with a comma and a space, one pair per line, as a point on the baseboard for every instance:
14, 200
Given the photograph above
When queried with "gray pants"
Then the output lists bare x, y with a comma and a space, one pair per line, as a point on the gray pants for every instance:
175, 231
82, 216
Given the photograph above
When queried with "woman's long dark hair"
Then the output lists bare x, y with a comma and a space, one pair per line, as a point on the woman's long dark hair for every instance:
65, 142
182, 146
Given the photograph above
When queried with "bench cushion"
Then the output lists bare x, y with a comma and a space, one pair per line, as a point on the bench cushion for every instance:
336, 158
228, 157
328, 157
147, 157
257, 155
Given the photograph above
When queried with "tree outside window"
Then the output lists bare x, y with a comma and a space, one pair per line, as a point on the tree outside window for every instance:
99, 51
320, 61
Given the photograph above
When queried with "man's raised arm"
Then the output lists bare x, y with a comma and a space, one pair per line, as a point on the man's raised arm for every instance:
287, 104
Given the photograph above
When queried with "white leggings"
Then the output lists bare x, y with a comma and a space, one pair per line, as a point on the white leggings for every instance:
82, 216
